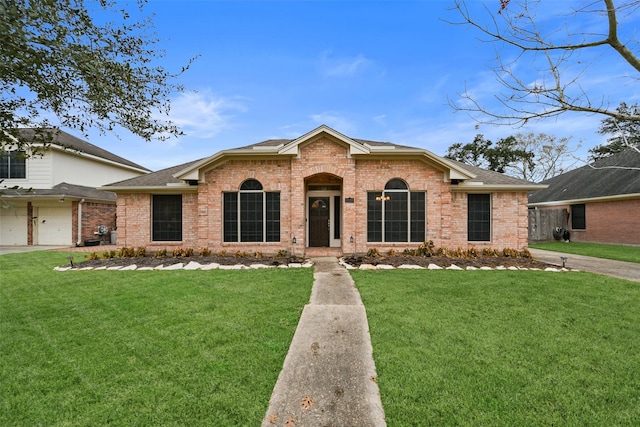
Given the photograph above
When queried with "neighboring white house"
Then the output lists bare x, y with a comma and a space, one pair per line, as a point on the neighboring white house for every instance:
49, 197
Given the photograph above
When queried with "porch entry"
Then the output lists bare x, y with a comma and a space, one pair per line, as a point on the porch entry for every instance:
324, 217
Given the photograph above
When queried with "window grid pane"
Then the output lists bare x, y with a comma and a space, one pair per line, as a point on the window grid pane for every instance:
374, 217
479, 217
167, 218
418, 229
396, 216
251, 215
230, 217
13, 165
273, 217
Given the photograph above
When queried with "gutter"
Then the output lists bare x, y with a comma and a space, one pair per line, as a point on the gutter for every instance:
79, 222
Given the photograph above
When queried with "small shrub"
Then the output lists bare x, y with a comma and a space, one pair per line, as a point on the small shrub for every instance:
242, 254
392, 252
92, 256
426, 249
490, 252
257, 254
127, 252
373, 253
282, 253
161, 253
222, 253
187, 252
141, 251
110, 254
205, 252
177, 252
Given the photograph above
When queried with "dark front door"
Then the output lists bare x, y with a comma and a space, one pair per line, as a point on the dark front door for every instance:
319, 221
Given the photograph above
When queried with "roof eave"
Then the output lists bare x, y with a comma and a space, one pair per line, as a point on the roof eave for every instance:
480, 187
617, 197
172, 188
99, 159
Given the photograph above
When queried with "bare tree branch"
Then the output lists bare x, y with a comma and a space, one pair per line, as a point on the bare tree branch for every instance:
559, 89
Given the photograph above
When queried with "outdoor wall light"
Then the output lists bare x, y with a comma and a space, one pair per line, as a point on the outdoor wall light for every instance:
351, 239
294, 241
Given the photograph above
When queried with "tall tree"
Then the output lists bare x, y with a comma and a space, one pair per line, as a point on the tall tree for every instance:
560, 57
625, 133
551, 156
484, 153
89, 63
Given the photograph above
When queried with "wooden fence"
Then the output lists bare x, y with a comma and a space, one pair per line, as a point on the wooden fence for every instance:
542, 222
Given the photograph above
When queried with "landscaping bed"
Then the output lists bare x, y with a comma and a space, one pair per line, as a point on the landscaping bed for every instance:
423, 257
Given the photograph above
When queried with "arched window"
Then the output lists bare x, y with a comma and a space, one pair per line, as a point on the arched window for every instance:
251, 214
396, 214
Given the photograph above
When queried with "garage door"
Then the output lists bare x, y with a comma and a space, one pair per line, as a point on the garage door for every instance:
53, 226
13, 226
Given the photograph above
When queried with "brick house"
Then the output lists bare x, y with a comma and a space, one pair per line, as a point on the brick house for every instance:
597, 203
322, 193
48, 195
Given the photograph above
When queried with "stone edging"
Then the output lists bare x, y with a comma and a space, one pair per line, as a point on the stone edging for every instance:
192, 265
451, 267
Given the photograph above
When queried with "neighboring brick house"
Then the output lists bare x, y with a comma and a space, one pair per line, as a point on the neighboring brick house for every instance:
600, 202
322, 193
49, 195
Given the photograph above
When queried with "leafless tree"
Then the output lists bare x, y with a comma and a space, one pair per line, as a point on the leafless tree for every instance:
560, 56
551, 156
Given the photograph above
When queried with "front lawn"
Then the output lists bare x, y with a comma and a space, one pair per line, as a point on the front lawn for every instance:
504, 348
190, 348
615, 252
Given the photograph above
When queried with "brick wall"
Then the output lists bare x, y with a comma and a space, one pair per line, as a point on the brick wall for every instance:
93, 216
325, 161
616, 222
611, 222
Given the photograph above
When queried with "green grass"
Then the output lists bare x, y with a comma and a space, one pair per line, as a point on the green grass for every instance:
615, 252
504, 348
142, 348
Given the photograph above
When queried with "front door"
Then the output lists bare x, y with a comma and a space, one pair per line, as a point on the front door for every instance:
319, 224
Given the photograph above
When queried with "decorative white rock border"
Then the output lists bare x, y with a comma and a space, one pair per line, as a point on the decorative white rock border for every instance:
191, 266
451, 267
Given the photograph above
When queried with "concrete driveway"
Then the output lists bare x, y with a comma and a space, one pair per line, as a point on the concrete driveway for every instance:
619, 269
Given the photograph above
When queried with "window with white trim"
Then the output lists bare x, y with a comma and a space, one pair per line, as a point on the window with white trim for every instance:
396, 214
251, 214
13, 165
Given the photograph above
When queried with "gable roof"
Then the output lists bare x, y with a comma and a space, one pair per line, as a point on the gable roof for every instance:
66, 142
160, 179
356, 147
490, 180
610, 178
469, 178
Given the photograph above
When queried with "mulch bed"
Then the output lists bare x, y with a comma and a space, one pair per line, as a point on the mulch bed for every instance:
152, 261
480, 261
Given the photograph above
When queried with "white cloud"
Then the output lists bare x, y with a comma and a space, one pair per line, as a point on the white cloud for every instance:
204, 115
342, 66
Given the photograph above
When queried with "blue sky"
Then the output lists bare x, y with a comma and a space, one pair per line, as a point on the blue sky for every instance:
380, 70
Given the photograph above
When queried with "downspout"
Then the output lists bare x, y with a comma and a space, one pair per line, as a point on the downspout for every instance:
79, 222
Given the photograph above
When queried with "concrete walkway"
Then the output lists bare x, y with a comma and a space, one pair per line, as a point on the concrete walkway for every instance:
619, 269
328, 377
